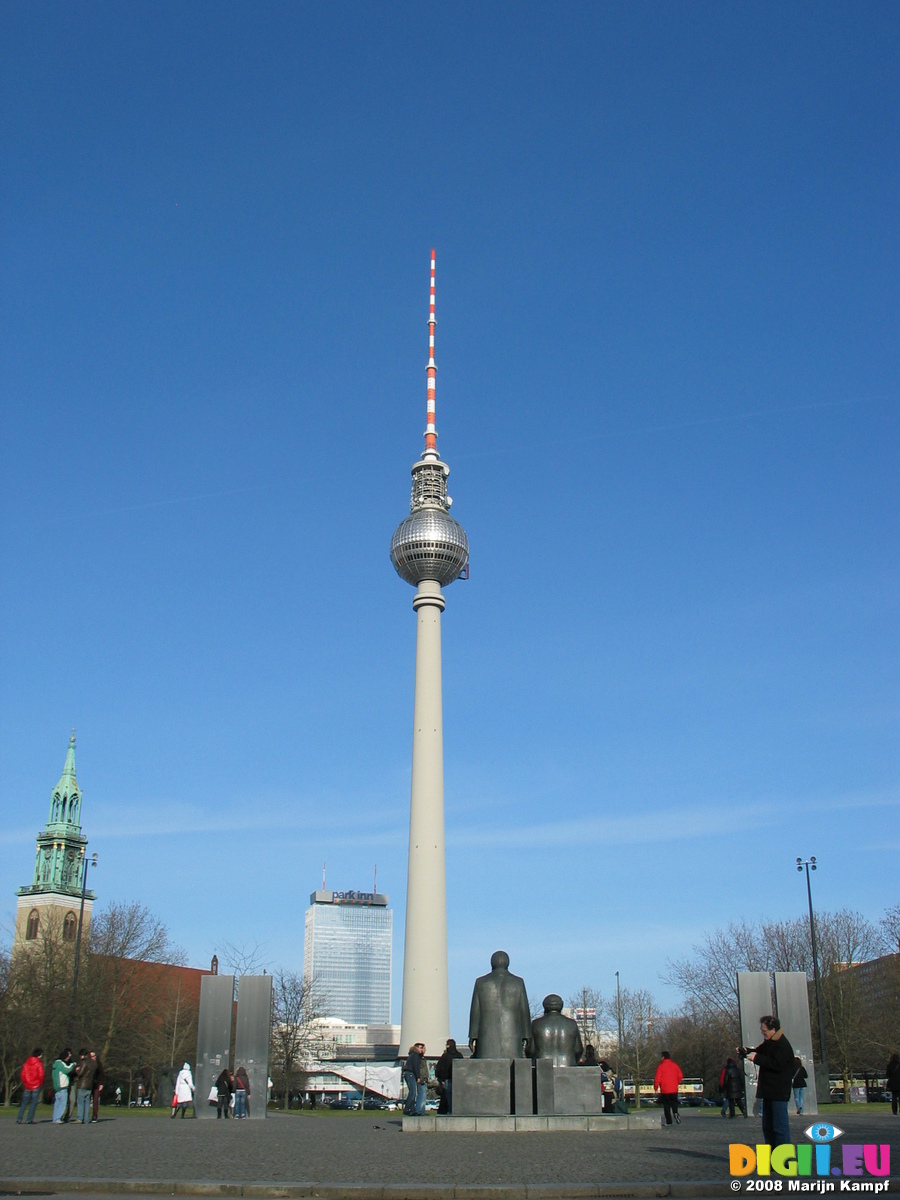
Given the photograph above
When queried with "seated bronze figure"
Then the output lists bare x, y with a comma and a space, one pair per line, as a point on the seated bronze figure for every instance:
554, 1036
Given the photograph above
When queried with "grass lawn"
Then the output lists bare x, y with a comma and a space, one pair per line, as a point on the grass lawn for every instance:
44, 1112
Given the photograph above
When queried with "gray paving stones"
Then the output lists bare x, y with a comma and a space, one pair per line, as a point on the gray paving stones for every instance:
363, 1157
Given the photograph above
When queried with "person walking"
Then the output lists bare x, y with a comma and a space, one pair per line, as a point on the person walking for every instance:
99, 1076
411, 1078
241, 1093
722, 1089
60, 1074
224, 1088
665, 1081
733, 1089
32, 1077
443, 1073
184, 1092
84, 1086
892, 1081
774, 1058
798, 1083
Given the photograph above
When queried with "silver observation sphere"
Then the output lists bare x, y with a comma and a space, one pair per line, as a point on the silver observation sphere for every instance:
429, 544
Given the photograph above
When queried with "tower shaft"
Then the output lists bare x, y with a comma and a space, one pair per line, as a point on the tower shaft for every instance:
426, 1006
429, 550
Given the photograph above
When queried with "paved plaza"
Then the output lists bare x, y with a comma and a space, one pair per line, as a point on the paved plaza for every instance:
335, 1154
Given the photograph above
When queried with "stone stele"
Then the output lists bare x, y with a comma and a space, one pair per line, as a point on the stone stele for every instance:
482, 1087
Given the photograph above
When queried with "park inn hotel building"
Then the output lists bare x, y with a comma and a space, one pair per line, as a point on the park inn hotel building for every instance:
347, 951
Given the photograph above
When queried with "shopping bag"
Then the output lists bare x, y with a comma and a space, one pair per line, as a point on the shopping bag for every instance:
213, 1096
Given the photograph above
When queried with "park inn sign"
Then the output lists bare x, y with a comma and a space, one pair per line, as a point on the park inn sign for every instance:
373, 898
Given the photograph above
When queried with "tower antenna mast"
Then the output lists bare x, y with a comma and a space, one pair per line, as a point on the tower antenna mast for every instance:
431, 372
429, 550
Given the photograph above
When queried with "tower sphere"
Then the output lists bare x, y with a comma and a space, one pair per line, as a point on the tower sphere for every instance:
429, 544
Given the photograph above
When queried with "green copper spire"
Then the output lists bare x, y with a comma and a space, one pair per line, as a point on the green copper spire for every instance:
61, 846
65, 800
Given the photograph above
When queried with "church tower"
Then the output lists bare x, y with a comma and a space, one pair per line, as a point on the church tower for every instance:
49, 905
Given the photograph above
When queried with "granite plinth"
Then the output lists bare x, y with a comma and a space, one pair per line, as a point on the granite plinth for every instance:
523, 1087
482, 1087
577, 1091
543, 1084
567, 1091
516, 1124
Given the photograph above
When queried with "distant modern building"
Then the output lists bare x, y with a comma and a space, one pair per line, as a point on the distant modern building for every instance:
51, 904
347, 951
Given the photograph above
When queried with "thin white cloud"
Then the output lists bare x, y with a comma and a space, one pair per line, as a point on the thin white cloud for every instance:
367, 827
653, 826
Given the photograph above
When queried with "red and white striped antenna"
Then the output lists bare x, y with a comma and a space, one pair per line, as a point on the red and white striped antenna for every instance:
431, 371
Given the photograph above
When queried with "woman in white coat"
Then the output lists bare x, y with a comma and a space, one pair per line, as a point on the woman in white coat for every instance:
184, 1091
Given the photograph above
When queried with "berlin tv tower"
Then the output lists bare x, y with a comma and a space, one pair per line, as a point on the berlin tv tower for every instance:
428, 549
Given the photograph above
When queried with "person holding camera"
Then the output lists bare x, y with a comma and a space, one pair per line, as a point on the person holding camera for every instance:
774, 1058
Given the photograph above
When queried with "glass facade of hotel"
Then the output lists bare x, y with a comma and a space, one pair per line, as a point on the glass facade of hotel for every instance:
347, 951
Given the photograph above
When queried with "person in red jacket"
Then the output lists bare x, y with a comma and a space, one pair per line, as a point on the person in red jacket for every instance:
665, 1081
32, 1077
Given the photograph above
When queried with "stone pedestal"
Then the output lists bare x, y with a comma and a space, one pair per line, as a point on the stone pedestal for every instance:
523, 1087
577, 1091
482, 1087
568, 1091
543, 1072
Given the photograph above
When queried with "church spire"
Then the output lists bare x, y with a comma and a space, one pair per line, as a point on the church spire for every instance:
50, 903
65, 799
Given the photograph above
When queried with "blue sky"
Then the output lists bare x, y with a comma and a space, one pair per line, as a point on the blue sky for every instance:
667, 260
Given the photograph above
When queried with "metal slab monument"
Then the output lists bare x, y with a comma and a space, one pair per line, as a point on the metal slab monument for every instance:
754, 1001
792, 999
251, 1042
213, 1037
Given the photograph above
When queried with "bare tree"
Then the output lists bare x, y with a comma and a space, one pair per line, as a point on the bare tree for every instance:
890, 927
641, 1017
123, 937
295, 1009
846, 939
857, 1020
244, 958
586, 1006
9, 1035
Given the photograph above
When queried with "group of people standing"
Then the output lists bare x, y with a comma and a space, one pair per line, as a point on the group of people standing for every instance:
232, 1090
415, 1076
84, 1076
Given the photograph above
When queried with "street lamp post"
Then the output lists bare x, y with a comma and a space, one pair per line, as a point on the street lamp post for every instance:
88, 862
618, 1027
810, 865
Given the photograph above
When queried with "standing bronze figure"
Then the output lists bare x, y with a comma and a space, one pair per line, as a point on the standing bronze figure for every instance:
499, 1020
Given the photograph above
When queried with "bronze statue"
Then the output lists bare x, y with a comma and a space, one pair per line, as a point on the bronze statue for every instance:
499, 1020
554, 1036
